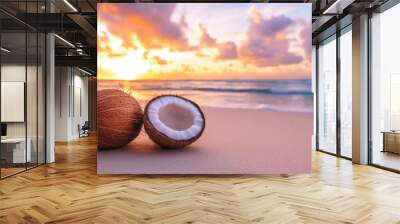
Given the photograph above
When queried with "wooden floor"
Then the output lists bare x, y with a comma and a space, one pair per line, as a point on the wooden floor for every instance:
69, 191
5, 172
387, 159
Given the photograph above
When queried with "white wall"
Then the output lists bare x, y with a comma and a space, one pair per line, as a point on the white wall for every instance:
71, 87
81, 89
62, 81
13, 101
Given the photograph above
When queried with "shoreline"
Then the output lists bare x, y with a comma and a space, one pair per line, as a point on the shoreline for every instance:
268, 96
143, 104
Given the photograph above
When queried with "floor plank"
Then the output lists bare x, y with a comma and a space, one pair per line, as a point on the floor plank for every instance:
70, 191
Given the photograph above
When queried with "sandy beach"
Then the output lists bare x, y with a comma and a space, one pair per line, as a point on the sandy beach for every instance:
235, 141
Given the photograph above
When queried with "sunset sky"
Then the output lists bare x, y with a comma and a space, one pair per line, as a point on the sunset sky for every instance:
204, 41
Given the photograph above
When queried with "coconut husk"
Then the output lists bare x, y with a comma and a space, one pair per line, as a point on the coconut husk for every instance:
119, 118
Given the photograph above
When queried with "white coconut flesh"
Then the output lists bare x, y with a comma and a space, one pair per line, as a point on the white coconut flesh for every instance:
176, 118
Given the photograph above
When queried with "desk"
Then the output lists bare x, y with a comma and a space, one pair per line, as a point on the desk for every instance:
391, 141
13, 150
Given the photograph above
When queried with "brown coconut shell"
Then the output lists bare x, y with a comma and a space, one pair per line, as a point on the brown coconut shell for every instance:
119, 118
163, 140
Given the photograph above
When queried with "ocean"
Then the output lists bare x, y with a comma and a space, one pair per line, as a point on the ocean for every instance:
268, 95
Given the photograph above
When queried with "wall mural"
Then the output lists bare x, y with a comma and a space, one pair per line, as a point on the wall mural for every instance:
195, 88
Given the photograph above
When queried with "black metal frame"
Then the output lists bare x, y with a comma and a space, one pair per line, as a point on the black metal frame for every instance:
316, 97
369, 81
338, 98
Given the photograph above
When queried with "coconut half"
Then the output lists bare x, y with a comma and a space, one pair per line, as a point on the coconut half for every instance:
173, 121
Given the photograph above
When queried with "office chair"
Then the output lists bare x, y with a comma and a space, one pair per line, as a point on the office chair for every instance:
84, 130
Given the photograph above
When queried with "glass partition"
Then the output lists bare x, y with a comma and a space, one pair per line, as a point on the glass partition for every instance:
13, 94
327, 96
385, 89
346, 93
22, 67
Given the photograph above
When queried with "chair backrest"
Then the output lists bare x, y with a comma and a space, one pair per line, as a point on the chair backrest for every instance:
86, 124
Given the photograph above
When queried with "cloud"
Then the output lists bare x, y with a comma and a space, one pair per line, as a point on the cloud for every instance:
158, 60
267, 43
306, 39
205, 37
149, 22
226, 50
109, 44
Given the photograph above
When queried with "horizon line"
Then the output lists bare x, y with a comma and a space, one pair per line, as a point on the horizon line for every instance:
129, 80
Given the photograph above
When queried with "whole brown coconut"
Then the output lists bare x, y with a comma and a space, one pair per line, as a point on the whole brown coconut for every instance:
173, 121
119, 118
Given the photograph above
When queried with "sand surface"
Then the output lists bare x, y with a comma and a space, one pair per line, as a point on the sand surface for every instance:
235, 141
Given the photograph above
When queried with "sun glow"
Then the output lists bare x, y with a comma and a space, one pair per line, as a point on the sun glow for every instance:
129, 64
128, 67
